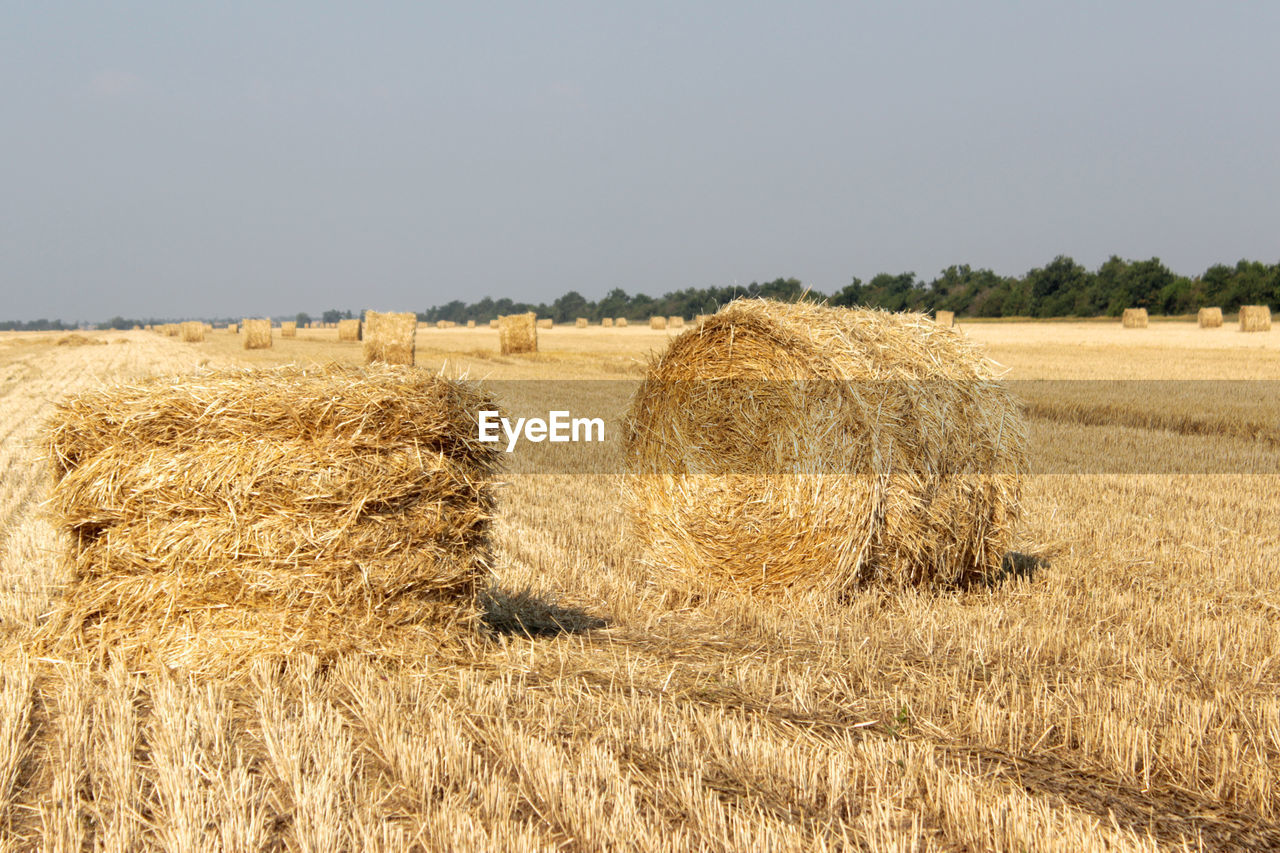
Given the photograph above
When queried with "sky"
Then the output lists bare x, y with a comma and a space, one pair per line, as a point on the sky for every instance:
231, 159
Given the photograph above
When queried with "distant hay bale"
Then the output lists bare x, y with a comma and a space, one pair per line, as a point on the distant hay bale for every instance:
606, 322
794, 445
493, 324
75, 339
657, 322
546, 323
620, 322
147, 327
1210, 318
698, 319
441, 324
389, 337
172, 330
1255, 318
349, 330
946, 319
208, 327
220, 516
675, 322
257, 333
1134, 318
289, 329
233, 328
471, 324
192, 333
580, 323
517, 333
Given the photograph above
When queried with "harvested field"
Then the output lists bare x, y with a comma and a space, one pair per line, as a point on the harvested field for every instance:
1114, 690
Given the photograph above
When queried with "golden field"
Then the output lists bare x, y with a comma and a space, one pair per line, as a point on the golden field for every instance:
1124, 696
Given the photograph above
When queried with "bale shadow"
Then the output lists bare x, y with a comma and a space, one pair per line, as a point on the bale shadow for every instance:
524, 613
1017, 565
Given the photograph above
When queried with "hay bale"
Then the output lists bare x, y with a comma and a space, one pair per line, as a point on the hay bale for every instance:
389, 337
208, 327
674, 322
350, 330
518, 333
289, 329
192, 333
233, 328
545, 323
1255, 318
783, 445
172, 330
1134, 318
441, 324
1209, 318
580, 323
606, 322
657, 322
946, 319
219, 516
257, 333
700, 318
471, 324
147, 327
493, 324
620, 322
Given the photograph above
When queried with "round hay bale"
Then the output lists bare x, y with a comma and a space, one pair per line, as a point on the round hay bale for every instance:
546, 323
1255, 318
1210, 318
606, 323
657, 322
780, 445
1134, 318
620, 322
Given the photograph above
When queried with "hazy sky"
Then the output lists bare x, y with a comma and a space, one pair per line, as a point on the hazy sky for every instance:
169, 159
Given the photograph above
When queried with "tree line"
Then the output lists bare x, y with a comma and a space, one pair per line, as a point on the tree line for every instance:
1061, 288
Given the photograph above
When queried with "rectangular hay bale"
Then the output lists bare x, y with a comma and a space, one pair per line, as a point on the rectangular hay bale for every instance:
216, 517
517, 333
257, 333
389, 337
580, 323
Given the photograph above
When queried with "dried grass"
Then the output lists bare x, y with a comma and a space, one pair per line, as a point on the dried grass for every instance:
545, 323
219, 517
657, 322
517, 333
192, 333
350, 330
699, 318
289, 329
256, 333
1210, 318
796, 445
1134, 318
233, 328
389, 337
1255, 318
946, 319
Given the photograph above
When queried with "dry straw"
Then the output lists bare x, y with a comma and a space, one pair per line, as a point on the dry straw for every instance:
172, 329
698, 319
545, 323
606, 322
389, 337
233, 328
289, 329
946, 319
657, 322
517, 333
620, 322
220, 516
256, 333
192, 332
1255, 318
350, 330
493, 324
580, 323
471, 324
675, 322
1134, 318
1210, 318
801, 446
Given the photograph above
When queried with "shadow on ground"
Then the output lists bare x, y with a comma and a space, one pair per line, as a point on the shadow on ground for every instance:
1016, 565
524, 613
